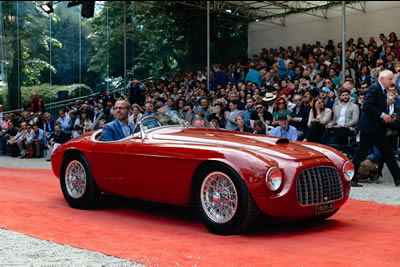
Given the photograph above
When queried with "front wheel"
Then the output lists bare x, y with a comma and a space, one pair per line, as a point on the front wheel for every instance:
222, 200
77, 183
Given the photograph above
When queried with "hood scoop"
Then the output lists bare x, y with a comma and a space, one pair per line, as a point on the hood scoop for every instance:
282, 141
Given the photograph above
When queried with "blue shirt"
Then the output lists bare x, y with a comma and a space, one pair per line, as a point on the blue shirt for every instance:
125, 128
290, 132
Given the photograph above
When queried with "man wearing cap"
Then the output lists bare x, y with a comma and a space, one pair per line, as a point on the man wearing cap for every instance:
284, 130
328, 102
188, 114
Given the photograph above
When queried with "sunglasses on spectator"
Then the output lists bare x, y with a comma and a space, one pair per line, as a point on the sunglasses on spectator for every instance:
282, 103
259, 107
364, 87
297, 100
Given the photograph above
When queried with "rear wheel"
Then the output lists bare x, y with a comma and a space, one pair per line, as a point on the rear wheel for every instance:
77, 183
222, 200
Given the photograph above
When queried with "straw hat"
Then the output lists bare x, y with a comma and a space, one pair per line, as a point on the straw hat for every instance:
269, 97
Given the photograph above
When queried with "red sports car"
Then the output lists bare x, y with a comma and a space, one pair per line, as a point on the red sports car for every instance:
228, 176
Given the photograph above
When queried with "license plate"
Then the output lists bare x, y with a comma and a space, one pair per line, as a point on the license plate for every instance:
324, 207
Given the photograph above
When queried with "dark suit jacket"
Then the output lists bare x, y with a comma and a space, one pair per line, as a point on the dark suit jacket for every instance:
60, 138
303, 113
112, 131
374, 104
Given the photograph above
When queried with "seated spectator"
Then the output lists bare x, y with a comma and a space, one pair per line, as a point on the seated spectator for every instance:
8, 135
78, 131
97, 116
49, 124
325, 95
260, 114
214, 123
84, 121
63, 120
136, 114
319, 117
199, 120
120, 127
188, 114
259, 127
270, 98
71, 123
37, 140
280, 108
284, 130
108, 116
250, 108
58, 138
204, 107
102, 123
218, 110
299, 116
24, 141
345, 119
231, 116
241, 125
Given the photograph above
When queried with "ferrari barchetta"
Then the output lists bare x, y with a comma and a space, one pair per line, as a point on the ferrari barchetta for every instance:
229, 177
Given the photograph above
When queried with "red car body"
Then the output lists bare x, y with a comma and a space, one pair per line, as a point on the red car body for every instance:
161, 167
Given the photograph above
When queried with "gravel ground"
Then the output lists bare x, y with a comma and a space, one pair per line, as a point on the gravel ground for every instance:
21, 250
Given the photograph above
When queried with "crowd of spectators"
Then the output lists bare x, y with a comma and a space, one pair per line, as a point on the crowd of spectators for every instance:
300, 93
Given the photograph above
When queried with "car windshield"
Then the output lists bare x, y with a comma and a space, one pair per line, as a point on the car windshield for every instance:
159, 119
164, 118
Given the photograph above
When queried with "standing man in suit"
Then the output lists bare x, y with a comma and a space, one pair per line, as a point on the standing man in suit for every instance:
374, 118
120, 127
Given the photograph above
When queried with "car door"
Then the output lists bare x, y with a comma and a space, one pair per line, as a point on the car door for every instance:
159, 171
108, 164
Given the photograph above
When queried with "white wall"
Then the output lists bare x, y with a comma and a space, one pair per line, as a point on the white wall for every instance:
380, 17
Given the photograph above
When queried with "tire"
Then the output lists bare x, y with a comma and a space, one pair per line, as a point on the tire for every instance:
82, 192
210, 197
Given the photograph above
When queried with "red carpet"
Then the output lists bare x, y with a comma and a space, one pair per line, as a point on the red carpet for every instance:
360, 234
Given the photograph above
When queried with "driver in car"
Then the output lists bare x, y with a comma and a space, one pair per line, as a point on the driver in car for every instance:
120, 127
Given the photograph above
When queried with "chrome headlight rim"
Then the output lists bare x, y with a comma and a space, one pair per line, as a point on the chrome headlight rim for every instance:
348, 176
268, 181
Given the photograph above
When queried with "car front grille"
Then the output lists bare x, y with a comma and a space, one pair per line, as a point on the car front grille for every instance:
319, 185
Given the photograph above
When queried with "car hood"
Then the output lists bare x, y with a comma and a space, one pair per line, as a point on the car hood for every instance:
256, 143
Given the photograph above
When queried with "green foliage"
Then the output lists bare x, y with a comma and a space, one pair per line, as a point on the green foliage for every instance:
156, 43
49, 93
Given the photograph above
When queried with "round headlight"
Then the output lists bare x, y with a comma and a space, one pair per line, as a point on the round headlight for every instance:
273, 179
348, 170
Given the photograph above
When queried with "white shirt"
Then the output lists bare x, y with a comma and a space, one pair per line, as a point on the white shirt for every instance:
342, 115
391, 109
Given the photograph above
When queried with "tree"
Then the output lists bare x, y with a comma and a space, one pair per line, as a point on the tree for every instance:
24, 33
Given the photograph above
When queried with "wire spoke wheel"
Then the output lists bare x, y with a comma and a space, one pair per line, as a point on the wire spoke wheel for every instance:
75, 179
219, 197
